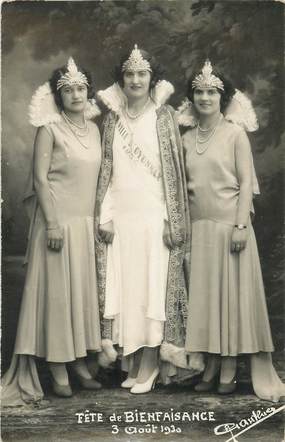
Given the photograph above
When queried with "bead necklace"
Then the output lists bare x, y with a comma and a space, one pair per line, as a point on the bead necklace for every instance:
205, 140
84, 129
139, 114
75, 132
204, 130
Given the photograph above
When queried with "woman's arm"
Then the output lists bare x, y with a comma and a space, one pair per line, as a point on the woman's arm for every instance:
42, 161
106, 227
243, 159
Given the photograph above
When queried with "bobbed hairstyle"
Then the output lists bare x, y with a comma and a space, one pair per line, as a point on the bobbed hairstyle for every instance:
157, 69
226, 95
57, 74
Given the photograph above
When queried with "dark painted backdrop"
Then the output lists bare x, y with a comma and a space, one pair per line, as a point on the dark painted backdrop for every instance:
242, 38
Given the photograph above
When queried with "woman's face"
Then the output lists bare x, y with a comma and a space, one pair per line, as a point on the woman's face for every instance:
207, 101
136, 83
74, 98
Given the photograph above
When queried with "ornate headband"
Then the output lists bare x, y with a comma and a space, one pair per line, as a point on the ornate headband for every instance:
136, 62
207, 79
72, 76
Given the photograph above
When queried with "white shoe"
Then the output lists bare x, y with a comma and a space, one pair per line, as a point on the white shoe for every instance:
129, 382
146, 386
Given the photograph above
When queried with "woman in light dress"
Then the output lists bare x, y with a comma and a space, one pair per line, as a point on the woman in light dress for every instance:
143, 219
59, 316
226, 295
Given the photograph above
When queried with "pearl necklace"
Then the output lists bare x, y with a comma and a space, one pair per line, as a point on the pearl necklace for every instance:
204, 130
134, 117
199, 141
75, 132
84, 129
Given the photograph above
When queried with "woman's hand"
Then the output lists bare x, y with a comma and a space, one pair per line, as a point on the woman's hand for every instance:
166, 235
55, 238
106, 232
239, 239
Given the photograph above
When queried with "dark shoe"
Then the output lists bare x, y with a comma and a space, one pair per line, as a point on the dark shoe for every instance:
88, 384
61, 390
205, 386
227, 388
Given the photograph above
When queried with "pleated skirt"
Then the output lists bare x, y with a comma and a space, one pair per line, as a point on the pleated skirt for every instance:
227, 305
59, 316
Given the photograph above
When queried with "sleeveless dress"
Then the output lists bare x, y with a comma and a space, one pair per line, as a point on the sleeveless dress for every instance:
137, 263
227, 305
59, 316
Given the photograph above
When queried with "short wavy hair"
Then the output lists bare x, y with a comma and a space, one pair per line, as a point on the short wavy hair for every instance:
226, 95
57, 74
157, 69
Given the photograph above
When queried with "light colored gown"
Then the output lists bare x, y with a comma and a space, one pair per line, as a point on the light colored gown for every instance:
227, 305
228, 313
137, 260
59, 316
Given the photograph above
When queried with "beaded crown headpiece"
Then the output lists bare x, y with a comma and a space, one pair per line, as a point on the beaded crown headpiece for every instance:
207, 79
72, 76
136, 62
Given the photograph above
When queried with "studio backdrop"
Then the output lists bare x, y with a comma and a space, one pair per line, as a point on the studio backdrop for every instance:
243, 39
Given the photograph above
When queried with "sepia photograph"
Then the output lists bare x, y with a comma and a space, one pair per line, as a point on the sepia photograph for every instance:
143, 263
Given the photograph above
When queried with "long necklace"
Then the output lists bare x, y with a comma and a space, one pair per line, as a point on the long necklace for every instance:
80, 131
134, 117
205, 140
75, 132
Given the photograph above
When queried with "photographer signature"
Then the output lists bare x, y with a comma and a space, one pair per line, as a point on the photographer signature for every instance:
246, 424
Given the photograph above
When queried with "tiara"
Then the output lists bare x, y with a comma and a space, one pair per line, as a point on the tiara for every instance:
207, 79
136, 62
72, 76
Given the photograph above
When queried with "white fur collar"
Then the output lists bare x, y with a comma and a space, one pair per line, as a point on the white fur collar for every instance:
239, 111
43, 110
115, 99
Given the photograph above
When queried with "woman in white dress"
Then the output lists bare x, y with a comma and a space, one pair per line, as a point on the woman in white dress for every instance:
143, 219
59, 316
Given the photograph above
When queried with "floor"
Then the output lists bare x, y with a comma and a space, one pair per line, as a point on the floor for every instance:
112, 414
107, 414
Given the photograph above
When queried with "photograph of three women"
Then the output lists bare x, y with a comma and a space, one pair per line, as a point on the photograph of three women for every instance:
141, 249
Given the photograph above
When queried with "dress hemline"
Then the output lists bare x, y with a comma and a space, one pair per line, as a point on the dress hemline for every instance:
243, 353
83, 355
138, 348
